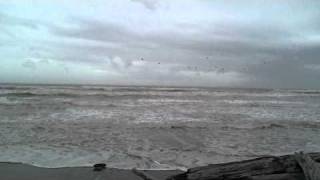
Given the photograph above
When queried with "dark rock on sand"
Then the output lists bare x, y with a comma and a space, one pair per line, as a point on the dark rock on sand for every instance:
99, 167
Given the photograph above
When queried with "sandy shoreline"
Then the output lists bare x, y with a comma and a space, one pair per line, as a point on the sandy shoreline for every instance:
19, 171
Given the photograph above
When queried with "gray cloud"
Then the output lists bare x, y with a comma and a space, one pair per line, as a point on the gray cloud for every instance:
149, 4
29, 64
15, 21
261, 53
265, 51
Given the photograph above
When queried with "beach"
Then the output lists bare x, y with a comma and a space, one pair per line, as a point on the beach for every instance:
18, 171
296, 166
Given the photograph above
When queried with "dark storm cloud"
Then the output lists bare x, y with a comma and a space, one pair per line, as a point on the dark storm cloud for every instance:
231, 47
201, 43
221, 43
286, 74
97, 31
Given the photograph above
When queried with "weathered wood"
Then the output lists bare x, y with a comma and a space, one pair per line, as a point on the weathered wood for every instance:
283, 176
311, 169
271, 168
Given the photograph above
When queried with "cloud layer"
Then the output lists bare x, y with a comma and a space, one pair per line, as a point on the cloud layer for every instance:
192, 43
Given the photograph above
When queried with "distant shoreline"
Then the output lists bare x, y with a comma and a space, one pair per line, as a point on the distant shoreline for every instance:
156, 86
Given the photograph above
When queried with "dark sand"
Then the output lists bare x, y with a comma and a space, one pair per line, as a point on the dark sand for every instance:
18, 171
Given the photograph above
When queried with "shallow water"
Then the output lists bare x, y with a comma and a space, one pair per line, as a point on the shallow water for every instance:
153, 127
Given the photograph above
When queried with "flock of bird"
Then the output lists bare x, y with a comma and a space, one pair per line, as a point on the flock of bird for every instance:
214, 68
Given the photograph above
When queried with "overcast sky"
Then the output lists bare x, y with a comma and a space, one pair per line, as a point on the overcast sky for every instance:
248, 43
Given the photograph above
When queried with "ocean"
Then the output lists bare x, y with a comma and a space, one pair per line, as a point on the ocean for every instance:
153, 127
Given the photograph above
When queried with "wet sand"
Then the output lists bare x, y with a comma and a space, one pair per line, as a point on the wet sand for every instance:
19, 171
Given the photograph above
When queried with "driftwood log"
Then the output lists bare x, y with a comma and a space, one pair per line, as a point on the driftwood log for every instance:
264, 168
310, 168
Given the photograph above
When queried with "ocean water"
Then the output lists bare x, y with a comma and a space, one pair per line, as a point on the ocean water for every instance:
153, 127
